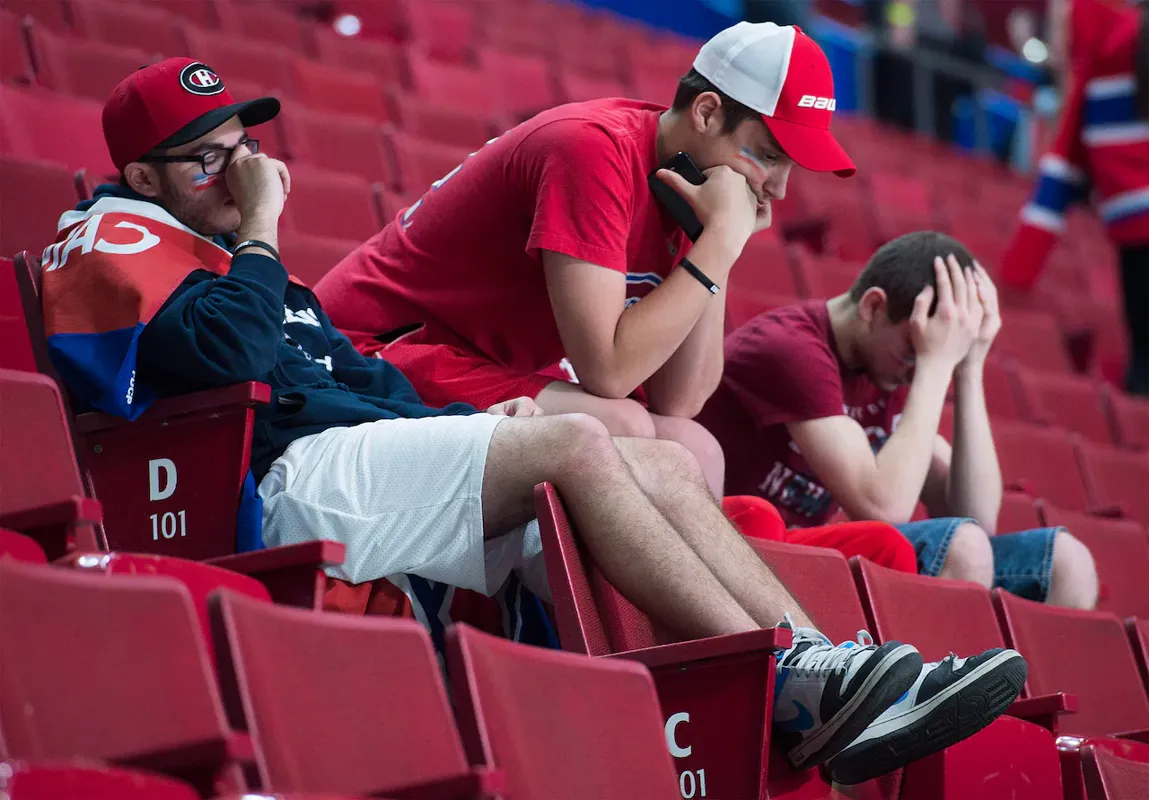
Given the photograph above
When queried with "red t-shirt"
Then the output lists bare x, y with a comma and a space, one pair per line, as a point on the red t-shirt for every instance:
783, 367
465, 259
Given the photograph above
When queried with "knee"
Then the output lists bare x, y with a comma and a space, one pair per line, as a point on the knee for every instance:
1073, 580
701, 443
578, 438
970, 557
626, 418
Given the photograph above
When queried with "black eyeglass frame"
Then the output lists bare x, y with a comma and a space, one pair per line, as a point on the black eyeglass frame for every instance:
252, 145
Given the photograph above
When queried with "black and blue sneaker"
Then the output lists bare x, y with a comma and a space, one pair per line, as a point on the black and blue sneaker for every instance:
950, 700
825, 696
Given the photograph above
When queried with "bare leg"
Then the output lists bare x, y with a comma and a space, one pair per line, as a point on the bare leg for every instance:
637, 550
674, 484
631, 419
1074, 582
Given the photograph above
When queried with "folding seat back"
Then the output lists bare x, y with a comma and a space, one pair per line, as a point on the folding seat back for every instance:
819, 578
90, 780
454, 85
350, 145
1034, 339
1086, 653
1117, 477
146, 27
19, 547
765, 267
449, 126
1068, 401
1108, 776
332, 204
1120, 549
55, 128
15, 62
1130, 418
1041, 461
28, 215
525, 79
578, 88
235, 57
361, 710
1002, 397
309, 258
743, 306
43, 493
512, 698
274, 23
47, 13
385, 61
338, 90
937, 616
420, 164
1018, 512
386, 19
444, 31
88, 69
107, 668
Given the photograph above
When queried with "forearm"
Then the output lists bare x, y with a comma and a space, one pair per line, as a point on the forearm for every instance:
904, 461
974, 488
651, 332
685, 382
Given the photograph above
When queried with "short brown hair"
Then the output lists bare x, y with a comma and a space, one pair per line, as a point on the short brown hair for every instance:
904, 266
693, 84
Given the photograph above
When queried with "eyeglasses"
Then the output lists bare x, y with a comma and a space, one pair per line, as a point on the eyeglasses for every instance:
212, 162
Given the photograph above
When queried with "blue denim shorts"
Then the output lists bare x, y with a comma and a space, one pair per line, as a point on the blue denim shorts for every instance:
1022, 562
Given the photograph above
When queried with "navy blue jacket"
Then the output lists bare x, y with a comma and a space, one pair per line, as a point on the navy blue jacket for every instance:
254, 325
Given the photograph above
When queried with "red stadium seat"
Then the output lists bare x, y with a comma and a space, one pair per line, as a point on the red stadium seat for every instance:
526, 78
1139, 636
333, 89
1130, 418
379, 18
722, 685
1034, 339
444, 31
331, 204
606, 708
1002, 396
577, 88
420, 164
43, 495
236, 57
48, 13
19, 547
1117, 478
1067, 401
28, 218
385, 61
743, 306
1108, 776
273, 22
39, 125
309, 258
1018, 512
110, 668
91, 780
343, 668
15, 61
88, 69
147, 27
455, 85
764, 267
1120, 548
209, 14
451, 126
1043, 462
15, 341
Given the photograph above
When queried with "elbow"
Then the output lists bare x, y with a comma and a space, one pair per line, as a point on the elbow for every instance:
882, 510
606, 385
684, 407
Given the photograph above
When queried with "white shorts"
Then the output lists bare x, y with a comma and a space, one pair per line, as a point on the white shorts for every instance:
405, 497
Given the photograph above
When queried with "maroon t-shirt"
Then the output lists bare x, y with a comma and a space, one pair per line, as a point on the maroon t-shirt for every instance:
783, 367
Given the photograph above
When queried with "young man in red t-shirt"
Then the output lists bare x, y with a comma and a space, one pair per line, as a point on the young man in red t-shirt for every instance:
836, 404
540, 245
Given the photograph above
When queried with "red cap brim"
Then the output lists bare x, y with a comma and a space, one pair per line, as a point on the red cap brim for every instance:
814, 149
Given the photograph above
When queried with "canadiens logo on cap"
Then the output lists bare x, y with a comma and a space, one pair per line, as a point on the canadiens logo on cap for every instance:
200, 79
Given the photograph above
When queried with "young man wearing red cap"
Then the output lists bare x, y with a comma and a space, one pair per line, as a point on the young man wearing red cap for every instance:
540, 245
346, 449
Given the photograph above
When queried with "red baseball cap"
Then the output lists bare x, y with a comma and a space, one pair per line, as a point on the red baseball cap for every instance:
171, 103
781, 73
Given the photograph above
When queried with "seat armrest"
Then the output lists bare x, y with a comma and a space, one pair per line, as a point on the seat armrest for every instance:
59, 527
1045, 710
764, 640
1136, 736
293, 574
239, 395
479, 784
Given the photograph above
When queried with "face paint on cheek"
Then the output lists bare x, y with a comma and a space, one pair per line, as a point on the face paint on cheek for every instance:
751, 159
202, 182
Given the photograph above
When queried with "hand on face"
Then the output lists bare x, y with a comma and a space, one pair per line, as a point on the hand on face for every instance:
259, 185
725, 201
947, 335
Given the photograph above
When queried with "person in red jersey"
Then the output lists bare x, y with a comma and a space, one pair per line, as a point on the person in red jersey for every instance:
540, 245
830, 405
1101, 152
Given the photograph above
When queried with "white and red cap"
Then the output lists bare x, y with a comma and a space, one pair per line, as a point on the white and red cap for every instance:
170, 103
781, 73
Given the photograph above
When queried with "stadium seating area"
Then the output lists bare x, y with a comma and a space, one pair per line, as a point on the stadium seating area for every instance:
173, 685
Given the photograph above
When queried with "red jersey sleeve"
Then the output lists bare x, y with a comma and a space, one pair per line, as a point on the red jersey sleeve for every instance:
782, 374
583, 192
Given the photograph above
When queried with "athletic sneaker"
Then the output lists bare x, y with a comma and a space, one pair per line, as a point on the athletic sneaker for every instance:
951, 700
825, 696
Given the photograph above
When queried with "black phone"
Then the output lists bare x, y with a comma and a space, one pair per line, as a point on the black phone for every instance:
675, 203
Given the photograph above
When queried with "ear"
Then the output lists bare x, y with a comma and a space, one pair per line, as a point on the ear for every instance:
872, 306
706, 113
142, 178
